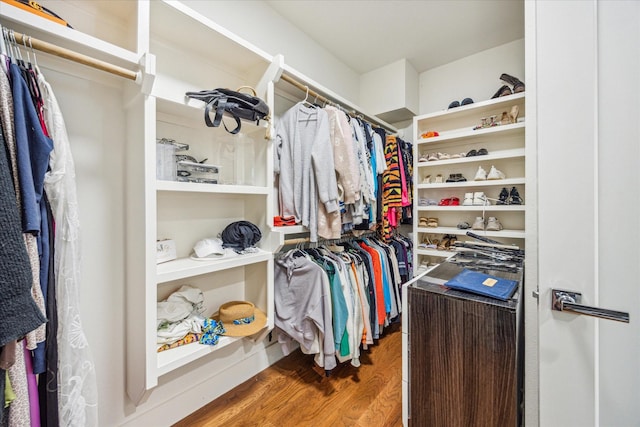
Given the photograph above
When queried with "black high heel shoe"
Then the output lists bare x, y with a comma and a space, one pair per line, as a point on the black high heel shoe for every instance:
503, 198
514, 197
518, 86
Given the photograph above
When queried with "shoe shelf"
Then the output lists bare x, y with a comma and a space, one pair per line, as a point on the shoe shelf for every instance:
461, 208
497, 155
511, 234
505, 145
464, 184
183, 268
469, 135
467, 115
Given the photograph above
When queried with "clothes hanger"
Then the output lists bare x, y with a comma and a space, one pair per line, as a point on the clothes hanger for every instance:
3, 46
305, 101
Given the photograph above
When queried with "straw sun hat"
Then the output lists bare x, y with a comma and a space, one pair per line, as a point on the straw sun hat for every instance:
240, 318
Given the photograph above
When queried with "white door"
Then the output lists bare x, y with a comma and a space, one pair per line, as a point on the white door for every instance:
587, 72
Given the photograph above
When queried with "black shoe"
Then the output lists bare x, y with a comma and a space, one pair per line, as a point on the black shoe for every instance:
503, 91
518, 86
503, 198
514, 197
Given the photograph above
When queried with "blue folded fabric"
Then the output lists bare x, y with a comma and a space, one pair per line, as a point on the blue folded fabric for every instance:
483, 284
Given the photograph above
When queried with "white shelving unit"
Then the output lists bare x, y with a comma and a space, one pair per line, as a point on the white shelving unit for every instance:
506, 151
186, 212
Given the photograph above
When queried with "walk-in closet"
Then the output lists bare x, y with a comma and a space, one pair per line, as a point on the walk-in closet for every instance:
312, 213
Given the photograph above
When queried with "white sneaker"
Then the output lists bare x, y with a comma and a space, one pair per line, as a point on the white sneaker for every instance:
468, 199
479, 199
495, 173
478, 224
481, 175
493, 224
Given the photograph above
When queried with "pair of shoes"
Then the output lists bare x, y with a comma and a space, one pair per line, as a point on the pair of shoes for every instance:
487, 122
493, 224
443, 156
449, 201
432, 222
458, 155
427, 180
430, 134
423, 222
475, 199
423, 158
517, 85
482, 175
479, 199
438, 179
432, 157
465, 101
456, 177
480, 152
447, 243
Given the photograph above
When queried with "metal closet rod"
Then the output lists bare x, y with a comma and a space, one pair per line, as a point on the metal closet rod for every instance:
30, 42
315, 94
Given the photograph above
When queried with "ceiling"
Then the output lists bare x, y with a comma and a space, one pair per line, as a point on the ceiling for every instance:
366, 35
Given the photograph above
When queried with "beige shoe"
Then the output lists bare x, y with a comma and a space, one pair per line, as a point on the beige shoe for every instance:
495, 174
478, 224
493, 224
481, 174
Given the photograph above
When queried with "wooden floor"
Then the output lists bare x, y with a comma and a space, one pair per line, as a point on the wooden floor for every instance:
292, 393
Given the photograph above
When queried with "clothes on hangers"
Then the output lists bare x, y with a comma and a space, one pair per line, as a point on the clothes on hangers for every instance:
350, 293
303, 161
357, 156
43, 189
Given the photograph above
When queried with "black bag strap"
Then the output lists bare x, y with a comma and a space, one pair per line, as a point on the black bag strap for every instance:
220, 105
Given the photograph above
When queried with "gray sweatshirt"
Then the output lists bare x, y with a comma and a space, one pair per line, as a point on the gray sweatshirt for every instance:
303, 161
303, 307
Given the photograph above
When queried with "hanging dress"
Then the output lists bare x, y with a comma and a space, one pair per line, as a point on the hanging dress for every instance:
78, 391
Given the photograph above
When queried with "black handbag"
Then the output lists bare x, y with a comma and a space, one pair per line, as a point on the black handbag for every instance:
232, 103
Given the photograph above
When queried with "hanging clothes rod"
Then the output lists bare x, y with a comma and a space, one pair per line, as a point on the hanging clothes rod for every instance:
324, 99
300, 240
30, 42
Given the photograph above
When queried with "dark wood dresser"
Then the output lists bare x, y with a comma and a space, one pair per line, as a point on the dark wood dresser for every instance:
464, 354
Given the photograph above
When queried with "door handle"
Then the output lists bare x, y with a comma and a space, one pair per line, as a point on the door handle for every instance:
570, 301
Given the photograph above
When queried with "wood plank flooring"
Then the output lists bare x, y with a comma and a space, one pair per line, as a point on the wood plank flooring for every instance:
293, 393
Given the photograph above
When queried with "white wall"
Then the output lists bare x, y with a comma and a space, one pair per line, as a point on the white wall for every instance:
476, 77
260, 25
